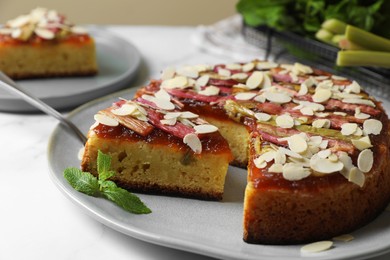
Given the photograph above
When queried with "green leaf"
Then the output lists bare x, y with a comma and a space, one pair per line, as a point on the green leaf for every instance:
103, 166
126, 200
82, 181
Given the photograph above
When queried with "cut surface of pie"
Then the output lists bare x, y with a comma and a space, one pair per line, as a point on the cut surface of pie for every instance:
316, 145
44, 44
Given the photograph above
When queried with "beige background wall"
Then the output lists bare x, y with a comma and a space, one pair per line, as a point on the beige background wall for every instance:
132, 12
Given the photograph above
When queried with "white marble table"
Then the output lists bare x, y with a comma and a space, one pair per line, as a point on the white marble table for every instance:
36, 220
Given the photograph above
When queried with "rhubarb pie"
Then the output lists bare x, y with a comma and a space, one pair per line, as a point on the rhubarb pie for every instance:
316, 145
44, 44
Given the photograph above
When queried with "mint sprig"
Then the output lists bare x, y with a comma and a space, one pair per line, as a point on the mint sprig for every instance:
86, 183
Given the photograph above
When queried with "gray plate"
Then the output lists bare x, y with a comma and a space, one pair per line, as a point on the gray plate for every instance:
203, 227
118, 62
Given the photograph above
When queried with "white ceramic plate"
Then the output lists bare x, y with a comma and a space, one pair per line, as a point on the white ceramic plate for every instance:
118, 62
203, 227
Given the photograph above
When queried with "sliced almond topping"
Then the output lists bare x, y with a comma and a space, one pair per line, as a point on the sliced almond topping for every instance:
264, 117
280, 157
353, 88
362, 143
248, 67
245, 95
202, 81
290, 153
260, 99
347, 162
170, 121
360, 115
124, 110
176, 82
241, 77
193, 141
297, 143
356, 176
324, 165
303, 89
317, 247
78, 30
266, 65
19, 21
333, 158
106, 120
307, 111
276, 167
205, 129
372, 126
164, 104
44, 33
254, 81
279, 98
162, 94
302, 69
324, 153
365, 160
189, 115
171, 115
295, 172
233, 66
359, 101
340, 113
348, 128
168, 73
321, 123
322, 95
335, 77
344, 238
188, 71
284, 121
224, 72
210, 91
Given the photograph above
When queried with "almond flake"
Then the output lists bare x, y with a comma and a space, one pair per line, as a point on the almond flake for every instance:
297, 143
16, 33
162, 94
248, 67
105, 120
302, 69
317, 247
210, 91
335, 77
356, 176
279, 98
365, 160
164, 104
188, 72
333, 158
205, 129
170, 121
245, 95
303, 89
279, 157
359, 101
290, 153
324, 153
324, 165
347, 162
19, 21
124, 110
176, 82
266, 65
360, 115
284, 121
353, 88
340, 113
362, 143
233, 66
344, 238
321, 95
254, 81
372, 126
224, 72
260, 99
260, 163
307, 111
44, 33
189, 115
264, 117
321, 123
202, 81
171, 115
348, 128
240, 77
168, 73
192, 140
295, 172
276, 167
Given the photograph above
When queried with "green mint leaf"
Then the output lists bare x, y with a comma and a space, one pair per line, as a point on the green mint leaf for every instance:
107, 185
126, 200
82, 181
103, 166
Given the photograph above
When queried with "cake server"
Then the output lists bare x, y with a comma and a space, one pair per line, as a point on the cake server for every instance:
11, 86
